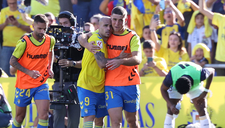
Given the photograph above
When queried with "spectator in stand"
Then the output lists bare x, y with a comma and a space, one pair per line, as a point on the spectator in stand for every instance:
88, 27
95, 20
146, 35
107, 6
85, 9
175, 52
153, 65
218, 20
201, 54
170, 15
187, 7
199, 30
51, 19
12, 25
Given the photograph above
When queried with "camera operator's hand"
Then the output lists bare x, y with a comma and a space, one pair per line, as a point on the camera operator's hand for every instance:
64, 63
51, 73
34, 74
93, 48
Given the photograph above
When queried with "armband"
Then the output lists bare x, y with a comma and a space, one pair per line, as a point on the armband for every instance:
208, 91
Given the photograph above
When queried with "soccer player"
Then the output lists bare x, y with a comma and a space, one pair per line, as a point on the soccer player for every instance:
122, 77
186, 78
33, 60
92, 78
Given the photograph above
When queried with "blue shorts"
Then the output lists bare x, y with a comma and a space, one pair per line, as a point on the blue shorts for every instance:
91, 103
23, 97
127, 97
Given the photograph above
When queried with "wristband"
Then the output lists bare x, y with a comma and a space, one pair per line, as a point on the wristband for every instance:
207, 90
152, 30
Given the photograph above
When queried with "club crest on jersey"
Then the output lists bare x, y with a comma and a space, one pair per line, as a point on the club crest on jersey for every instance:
99, 43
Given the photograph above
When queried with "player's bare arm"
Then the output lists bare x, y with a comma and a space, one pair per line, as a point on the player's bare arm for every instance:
51, 61
207, 86
14, 62
135, 59
101, 60
165, 95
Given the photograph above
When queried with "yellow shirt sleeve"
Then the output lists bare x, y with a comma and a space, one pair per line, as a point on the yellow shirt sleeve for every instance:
161, 64
20, 48
52, 43
161, 51
217, 19
135, 44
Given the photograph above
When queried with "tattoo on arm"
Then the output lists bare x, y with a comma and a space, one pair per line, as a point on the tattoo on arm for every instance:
100, 58
14, 63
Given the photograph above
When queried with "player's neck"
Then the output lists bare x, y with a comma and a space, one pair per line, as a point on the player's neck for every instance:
120, 31
37, 38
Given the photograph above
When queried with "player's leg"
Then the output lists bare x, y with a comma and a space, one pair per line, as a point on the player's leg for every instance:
101, 110
88, 101
131, 97
42, 99
132, 119
202, 111
99, 122
175, 97
23, 98
114, 103
201, 108
19, 117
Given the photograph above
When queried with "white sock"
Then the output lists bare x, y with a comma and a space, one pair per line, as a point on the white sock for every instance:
205, 121
169, 121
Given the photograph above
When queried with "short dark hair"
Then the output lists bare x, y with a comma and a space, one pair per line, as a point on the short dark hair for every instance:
41, 19
145, 27
147, 44
199, 14
68, 15
119, 10
183, 85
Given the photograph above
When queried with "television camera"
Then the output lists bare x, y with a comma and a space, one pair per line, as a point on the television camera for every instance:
65, 37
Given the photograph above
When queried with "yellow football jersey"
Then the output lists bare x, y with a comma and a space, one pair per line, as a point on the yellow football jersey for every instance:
92, 77
218, 20
160, 63
171, 57
11, 33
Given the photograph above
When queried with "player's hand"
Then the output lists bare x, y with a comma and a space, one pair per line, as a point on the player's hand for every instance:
124, 55
174, 109
34, 74
113, 64
64, 63
51, 73
93, 48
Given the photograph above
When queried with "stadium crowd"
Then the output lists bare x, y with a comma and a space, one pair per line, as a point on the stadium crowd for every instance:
118, 38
